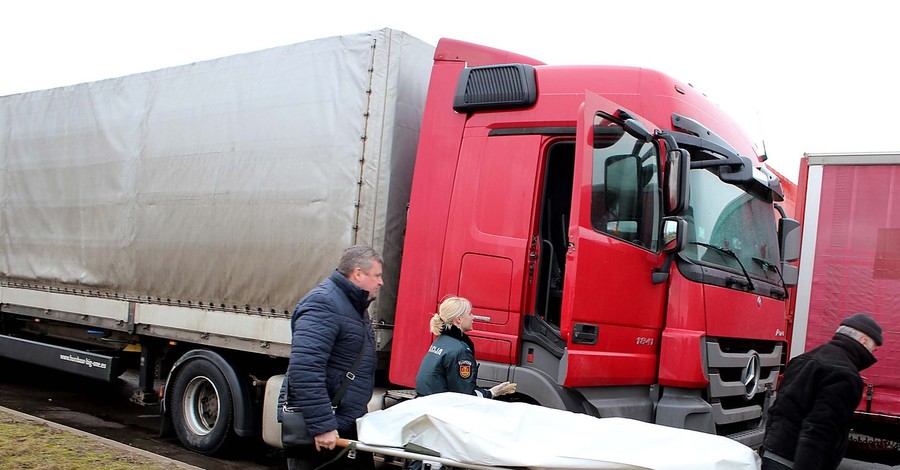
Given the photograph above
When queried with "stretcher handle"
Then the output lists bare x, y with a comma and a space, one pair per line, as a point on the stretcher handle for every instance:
410, 455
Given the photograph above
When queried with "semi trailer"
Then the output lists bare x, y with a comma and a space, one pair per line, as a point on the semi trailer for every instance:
615, 230
850, 263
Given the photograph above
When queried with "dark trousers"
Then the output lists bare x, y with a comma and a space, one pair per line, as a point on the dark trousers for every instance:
769, 464
307, 458
774, 462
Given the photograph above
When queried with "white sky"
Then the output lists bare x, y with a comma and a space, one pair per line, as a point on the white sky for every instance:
805, 76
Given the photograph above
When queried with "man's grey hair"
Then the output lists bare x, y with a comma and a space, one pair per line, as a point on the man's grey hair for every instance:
358, 256
853, 333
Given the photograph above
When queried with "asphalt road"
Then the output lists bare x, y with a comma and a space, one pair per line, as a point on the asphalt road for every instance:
105, 409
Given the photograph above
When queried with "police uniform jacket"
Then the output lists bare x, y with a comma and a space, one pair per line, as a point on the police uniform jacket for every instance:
809, 421
449, 366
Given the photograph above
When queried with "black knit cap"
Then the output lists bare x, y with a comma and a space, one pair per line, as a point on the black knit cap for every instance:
865, 324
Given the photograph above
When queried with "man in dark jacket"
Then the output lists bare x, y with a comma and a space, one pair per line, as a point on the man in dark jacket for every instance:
809, 423
330, 326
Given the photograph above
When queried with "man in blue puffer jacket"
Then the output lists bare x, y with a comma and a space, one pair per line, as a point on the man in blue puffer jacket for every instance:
329, 327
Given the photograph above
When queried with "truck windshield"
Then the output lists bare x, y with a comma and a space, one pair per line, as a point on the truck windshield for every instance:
724, 217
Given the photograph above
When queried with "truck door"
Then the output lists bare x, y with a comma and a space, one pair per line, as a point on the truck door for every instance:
612, 313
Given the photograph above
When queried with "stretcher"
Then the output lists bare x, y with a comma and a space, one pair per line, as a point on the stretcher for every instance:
473, 432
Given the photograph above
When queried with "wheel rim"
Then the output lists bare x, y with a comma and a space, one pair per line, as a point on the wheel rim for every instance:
201, 405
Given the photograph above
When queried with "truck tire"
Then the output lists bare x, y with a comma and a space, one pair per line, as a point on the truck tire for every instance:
203, 408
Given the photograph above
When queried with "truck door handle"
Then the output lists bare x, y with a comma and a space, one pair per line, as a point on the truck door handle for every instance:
585, 333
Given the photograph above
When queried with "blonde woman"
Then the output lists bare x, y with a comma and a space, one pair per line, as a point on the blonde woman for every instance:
449, 365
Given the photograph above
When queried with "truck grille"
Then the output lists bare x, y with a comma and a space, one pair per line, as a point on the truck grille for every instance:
740, 372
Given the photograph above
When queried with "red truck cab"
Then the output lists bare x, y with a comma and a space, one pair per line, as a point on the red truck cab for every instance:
609, 226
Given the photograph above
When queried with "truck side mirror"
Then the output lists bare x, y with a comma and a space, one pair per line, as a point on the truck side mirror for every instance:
790, 274
674, 235
789, 239
622, 195
676, 188
674, 240
789, 245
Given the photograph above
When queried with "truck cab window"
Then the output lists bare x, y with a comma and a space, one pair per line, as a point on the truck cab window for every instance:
625, 195
727, 216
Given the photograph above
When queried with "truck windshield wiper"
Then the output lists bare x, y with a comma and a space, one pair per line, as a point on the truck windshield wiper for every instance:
731, 254
770, 267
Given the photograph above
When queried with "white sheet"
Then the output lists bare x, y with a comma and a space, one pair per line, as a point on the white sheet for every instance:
475, 430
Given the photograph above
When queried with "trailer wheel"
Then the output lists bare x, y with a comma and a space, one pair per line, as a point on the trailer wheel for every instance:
202, 408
